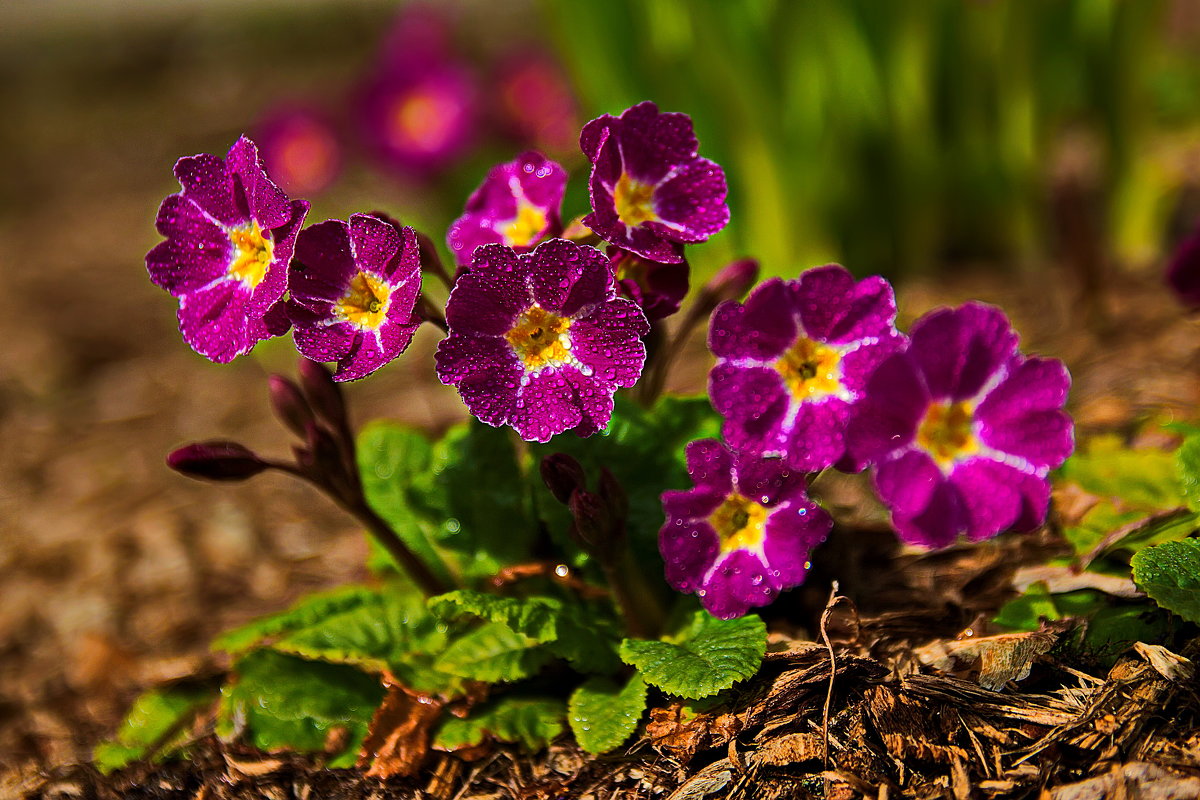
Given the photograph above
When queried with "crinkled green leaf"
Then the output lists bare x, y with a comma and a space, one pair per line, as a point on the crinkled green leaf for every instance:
493, 652
1143, 479
1187, 466
644, 449
586, 638
156, 722
291, 703
308, 611
533, 722
459, 503
1103, 519
603, 714
708, 657
1170, 574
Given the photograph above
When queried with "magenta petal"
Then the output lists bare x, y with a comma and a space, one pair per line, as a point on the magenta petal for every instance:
609, 342
213, 322
208, 184
761, 329
710, 465
907, 484
736, 584
593, 398
744, 393
374, 243
692, 202
491, 396
887, 419
792, 533
545, 407
564, 277
834, 308
817, 436
988, 493
1183, 272
266, 202
324, 343
1037, 384
486, 303
1043, 438
766, 480
197, 250
696, 503
1035, 501
958, 350
688, 549
938, 524
459, 356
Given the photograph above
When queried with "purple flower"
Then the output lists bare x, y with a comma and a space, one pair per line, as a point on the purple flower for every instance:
657, 288
743, 534
301, 148
794, 360
534, 100
518, 204
418, 117
963, 429
230, 235
353, 291
540, 341
650, 192
1183, 273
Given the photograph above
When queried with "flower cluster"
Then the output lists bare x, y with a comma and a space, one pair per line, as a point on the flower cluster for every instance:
234, 248
958, 428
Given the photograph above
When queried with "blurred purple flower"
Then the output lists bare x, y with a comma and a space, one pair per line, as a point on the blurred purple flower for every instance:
230, 235
353, 291
540, 341
518, 204
650, 192
536, 103
301, 148
657, 288
1183, 272
742, 534
963, 429
794, 360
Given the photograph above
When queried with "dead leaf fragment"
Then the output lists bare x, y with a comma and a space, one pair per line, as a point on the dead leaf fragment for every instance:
1134, 781
398, 740
998, 659
1171, 666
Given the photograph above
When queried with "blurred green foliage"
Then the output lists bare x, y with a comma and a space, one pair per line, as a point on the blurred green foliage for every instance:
898, 137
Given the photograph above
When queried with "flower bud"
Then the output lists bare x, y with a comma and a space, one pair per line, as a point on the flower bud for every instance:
216, 461
562, 475
289, 404
731, 283
615, 500
324, 396
593, 523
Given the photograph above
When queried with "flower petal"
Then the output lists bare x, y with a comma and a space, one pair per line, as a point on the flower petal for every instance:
737, 583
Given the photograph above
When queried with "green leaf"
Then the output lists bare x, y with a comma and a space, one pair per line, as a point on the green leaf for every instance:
1025, 613
1143, 479
603, 714
1170, 574
708, 657
288, 702
156, 722
493, 652
535, 617
585, 637
376, 629
533, 722
460, 503
1187, 465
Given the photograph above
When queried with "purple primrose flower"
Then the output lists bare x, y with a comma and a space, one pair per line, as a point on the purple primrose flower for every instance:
300, 146
963, 429
518, 204
650, 192
353, 291
657, 288
794, 359
1183, 271
743, 534
230, 235
540, 341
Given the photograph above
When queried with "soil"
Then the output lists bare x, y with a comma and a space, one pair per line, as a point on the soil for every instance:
117, 572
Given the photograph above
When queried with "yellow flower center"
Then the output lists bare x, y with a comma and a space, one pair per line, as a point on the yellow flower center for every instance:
945, 432
521, 231
740, 523
810, 369
634, 201
537, 338
366, 303
252, 253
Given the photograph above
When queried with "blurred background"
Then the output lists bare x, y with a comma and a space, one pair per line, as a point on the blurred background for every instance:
1029, 152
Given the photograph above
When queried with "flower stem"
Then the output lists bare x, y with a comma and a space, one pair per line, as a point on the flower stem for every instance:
644, 615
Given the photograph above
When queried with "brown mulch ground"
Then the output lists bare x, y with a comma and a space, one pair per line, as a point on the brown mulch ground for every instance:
116, 573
